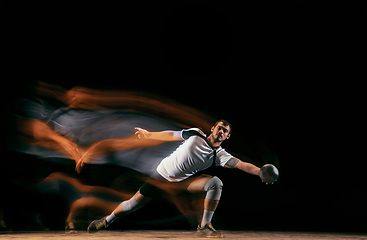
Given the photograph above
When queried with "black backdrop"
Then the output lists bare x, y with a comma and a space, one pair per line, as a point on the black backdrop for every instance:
287, 73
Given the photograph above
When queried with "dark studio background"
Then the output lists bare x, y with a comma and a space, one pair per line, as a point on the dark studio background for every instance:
287, 74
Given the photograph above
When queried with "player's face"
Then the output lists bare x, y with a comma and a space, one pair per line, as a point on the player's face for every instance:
221, 132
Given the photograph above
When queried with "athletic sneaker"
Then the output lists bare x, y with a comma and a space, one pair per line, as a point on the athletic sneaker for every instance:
97, 225
208, 231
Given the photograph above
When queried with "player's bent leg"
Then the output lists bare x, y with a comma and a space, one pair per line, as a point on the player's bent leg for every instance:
213, 188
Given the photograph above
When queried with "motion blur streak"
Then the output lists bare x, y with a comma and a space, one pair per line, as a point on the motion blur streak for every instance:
85, 126
89, 99
57, 131
96, 127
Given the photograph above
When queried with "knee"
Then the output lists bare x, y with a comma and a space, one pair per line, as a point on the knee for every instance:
213, 184
213, 188
130, 205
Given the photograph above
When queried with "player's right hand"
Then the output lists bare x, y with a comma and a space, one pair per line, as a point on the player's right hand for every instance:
141, 133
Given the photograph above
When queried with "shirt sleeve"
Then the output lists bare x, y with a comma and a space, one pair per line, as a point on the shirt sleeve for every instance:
187, 133
175, 133
222, 157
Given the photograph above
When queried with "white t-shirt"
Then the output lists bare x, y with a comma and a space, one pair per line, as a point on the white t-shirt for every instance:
192, 156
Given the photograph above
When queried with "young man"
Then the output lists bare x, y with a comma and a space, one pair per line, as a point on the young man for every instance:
179, 169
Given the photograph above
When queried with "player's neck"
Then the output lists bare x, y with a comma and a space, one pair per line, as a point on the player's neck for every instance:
213, 142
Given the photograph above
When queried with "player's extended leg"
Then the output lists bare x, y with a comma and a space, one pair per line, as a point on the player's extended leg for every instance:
100, 205
213, 188
124, 208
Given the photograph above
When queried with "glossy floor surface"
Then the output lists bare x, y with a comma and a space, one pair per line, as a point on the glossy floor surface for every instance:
148, 234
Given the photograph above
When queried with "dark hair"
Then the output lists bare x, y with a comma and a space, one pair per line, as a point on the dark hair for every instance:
225, 123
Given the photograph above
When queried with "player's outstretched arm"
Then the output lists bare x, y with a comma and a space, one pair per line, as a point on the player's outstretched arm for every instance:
244, 166
162, 136
142, 138
268, 173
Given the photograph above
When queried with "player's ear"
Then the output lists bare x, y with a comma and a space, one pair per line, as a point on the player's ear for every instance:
212, 129
228, 136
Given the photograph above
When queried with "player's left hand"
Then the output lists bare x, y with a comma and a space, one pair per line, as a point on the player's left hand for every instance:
268, 174
269, 183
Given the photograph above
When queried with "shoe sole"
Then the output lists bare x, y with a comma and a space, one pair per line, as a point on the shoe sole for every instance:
91, 231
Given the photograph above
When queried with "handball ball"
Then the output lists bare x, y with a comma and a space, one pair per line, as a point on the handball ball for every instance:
269, 173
